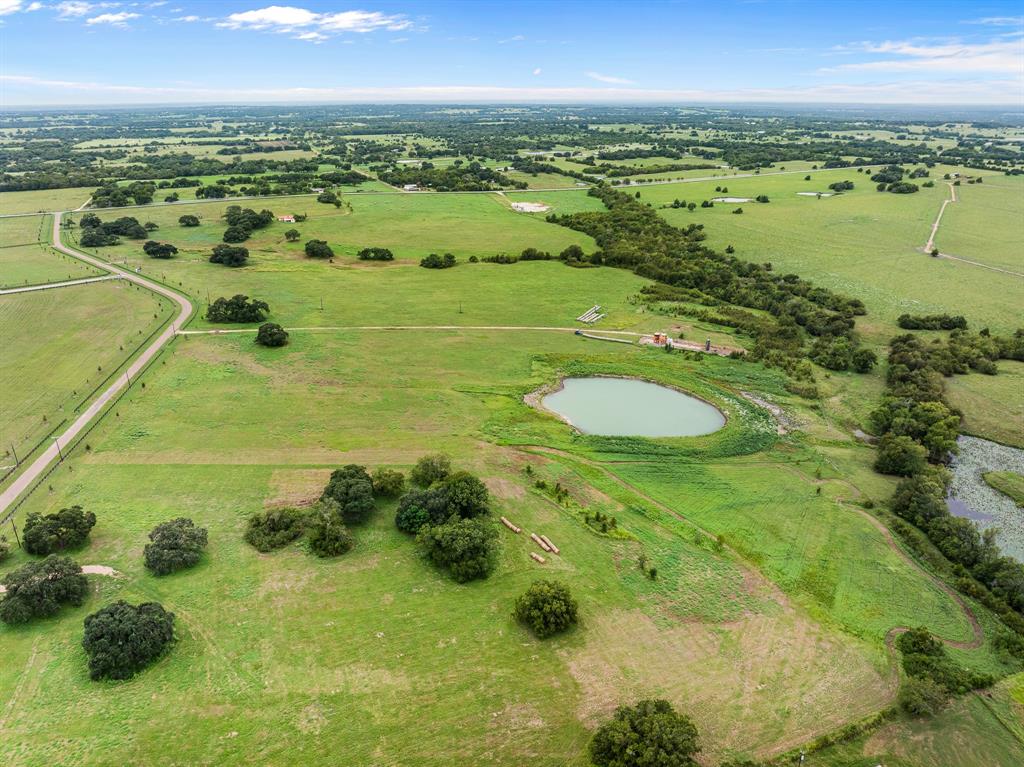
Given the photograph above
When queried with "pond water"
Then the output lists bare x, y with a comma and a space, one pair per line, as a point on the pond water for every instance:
731, 199
627, 407
971, 497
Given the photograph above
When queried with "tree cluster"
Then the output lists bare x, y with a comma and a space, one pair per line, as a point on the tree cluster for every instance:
40, 589
449, 512
318, 249
155, 249
274, 528
238, 308
52, 533
229, 255
122, 639
935, 675
98, 234
932, 322
375, 254
242, 222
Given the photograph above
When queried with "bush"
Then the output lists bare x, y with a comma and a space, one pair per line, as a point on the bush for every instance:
237, 309
39, 589
375, 254
864, 360
122, 639
175, 545
648, 734
94, 238
5, 548
318, 249
434, 261
900, 456
274, 528
292, 235
388, 483
66, 529
189, 220
328, 536
352, 489
467, 548
430, 469
547, 608
229, 256
271, 334
922, 697
932, 322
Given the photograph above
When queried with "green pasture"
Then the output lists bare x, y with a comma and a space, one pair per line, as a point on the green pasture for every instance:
26, 259
43, 200
59, 344
977, 226
302, 658
862, 243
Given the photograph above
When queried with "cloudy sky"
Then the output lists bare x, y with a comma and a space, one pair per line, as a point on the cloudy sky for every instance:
77, 52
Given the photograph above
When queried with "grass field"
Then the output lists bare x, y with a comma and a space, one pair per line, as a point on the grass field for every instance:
975, 226
861, 243
60, 344
412, 647
992, 405
43, 200
25, 259
768, 637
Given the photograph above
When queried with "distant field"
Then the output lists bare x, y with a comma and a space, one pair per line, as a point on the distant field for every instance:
978, 226
43, 200
59, 344
993, 405
25, 259
863, 243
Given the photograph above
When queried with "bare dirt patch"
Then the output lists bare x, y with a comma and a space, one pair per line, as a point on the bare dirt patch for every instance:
296, 487
502, 487
782, 676
530, 207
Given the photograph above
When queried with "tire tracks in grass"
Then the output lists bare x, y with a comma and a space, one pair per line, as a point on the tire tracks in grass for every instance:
976, 641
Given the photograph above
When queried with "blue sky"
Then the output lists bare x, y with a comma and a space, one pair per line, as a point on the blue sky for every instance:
75, 52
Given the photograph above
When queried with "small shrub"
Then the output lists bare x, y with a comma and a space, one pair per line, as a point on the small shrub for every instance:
922, 697
388, 483
328, 536
547, 608
352, 489
430, 469
122, 639
318, 249
274, 528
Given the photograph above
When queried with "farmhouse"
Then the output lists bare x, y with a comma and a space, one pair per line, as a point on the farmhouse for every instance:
286, 219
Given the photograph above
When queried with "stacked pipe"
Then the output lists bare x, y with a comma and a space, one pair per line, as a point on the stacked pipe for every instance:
510, 526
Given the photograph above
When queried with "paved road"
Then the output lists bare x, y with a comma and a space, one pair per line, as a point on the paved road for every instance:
65, 284
11, 493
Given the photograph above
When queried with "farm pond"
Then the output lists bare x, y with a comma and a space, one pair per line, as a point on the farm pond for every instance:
628, 407
971, 497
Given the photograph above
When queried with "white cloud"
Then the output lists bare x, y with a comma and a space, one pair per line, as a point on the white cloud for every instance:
40, 91
115, 19
608, 79
8, 7
288, 19
187, 19
1003, 56
999, 21
74, 8
34, 7
536, 71
513, 39
399, 40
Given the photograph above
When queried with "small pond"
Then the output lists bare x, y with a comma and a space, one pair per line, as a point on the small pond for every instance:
971, 497
627, 407
731, 199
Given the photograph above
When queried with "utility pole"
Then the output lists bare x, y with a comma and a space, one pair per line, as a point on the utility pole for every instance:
15, 529
321, 303
56, 441
16, 461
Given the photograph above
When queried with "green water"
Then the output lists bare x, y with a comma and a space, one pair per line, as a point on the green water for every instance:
626, 407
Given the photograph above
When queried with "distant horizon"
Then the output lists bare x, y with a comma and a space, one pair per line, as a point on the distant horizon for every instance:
176, 52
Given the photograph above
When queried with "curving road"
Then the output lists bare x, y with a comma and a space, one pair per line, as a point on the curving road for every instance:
11, 493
